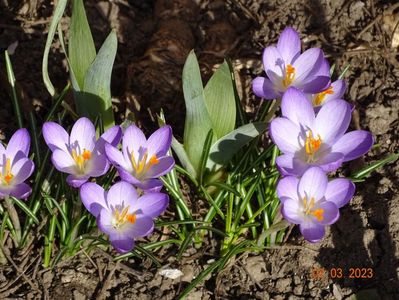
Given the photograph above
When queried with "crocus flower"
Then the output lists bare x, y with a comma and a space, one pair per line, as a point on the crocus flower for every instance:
334, 91
15, 166
307, 139
79, 154
121, 213
285, 66
142, 161
312, 201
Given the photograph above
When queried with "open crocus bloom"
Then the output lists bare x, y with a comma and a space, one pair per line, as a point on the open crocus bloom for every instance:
79, 154
307, 139
334, 91
312, 201
15, 166
285, 66
142, 161
121, 213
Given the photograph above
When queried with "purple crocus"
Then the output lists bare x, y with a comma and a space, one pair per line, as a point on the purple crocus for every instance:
285, 66
80, 154
121, 213
15, 166
307, 139
312, 201
142, 161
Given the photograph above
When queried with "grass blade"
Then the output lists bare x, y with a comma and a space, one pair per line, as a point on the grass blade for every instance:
26, 209
204, 156
372, 167
11, 80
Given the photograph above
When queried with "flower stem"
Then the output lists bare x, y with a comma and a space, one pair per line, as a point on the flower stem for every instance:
14, 218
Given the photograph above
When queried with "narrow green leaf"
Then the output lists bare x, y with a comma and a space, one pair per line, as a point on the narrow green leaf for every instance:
58, 12
246, 200
183, 222
57, 103
205, 155
178, 197
213, 203
241, 117
149, 254
183, 157
220, 101
197, 123
81, 49
199, 278
11, 80
281, 225
158, 244
185, 244
224, 186
26, 209
372, 167
225, 148
48, 242
342, 75
96, 96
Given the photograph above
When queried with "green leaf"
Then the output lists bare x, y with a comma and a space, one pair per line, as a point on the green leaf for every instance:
225, 148
224, 186
375, 165
220, 101
281, 225
96, 96
14, 98
183, 157
59, 11
26, 209
205, 155
342, 75
198, 122
81, 49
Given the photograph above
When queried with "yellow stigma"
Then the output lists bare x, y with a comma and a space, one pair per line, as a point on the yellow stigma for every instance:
319, 98
81, 159
317, 213
120, 218
312, 145
142, 166
7, 176
289, 75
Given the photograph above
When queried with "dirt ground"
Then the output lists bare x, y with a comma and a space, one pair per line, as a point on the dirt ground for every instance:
154, 40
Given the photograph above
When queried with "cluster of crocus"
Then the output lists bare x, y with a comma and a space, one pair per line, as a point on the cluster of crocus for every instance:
311, 134
123, 212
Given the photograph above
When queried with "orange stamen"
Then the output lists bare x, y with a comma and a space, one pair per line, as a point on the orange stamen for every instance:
121, 217
154, 160
8, 175
289, 75
312, 145
319, 214
81, 159
86, 154
140, 167
131, 218
319, 98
